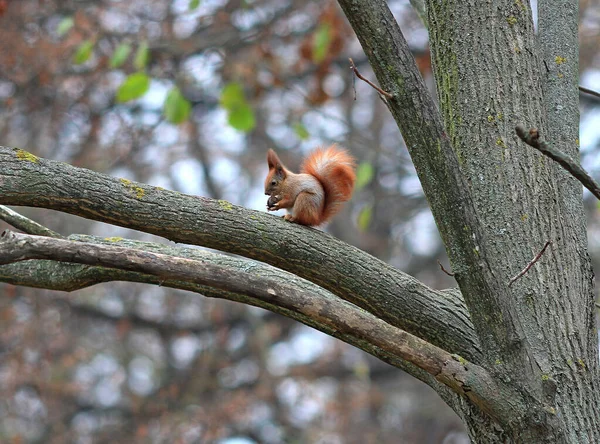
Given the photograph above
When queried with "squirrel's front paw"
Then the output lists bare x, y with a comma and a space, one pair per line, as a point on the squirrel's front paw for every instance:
273, 203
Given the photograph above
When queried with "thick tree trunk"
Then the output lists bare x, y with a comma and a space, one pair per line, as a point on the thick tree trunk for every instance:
538, 335
489, 80
518, 362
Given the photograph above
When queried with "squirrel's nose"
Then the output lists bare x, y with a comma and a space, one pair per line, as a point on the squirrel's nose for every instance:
266, 193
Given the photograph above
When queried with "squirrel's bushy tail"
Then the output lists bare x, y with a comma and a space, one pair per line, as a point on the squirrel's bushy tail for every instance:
334, 168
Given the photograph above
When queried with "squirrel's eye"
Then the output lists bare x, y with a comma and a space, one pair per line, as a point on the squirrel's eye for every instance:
273, 182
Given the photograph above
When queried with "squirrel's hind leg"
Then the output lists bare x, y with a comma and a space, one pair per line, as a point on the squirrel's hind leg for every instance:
307, 210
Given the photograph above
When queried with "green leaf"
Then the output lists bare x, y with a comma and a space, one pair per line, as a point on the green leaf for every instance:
141, 56
301, 131
364, 175
194, 4
65, 26
84, 52
241, 117
364, 218
321, 42
232, 95
239, 113
176, 108
120, 55
133, 87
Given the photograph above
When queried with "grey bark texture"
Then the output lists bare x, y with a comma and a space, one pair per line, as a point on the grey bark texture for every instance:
518, 363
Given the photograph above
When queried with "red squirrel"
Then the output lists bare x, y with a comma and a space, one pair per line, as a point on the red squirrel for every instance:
326, 180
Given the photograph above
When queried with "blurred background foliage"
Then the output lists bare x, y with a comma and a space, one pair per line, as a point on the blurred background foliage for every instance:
189, 95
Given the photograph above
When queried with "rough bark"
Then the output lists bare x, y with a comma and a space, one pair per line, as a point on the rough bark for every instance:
486, 86
338, 267
495, 203
64, 276
436, 163
487, 71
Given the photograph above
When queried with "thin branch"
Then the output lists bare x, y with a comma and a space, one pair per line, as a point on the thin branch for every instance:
421, 10
530, 264
361, 77
449, 273
461, 376
591, 92
25, 224
532, 138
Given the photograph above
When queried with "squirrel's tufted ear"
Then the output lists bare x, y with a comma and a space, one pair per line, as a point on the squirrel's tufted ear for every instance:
273, 161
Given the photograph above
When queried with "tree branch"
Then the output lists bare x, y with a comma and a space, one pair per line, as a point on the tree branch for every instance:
591, 92
63, 276
25, 224
463, 377
420, 9
532, 138
436, 162
336, 266
530, 264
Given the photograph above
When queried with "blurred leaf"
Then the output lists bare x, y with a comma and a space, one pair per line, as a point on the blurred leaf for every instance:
84, 52
361, 370
364, 218
141, 56
120, 55
194, 4
177, 108
241, 117
301, 131
232, 95
321, 42
133, 87
65, 26
239, 113
364, 174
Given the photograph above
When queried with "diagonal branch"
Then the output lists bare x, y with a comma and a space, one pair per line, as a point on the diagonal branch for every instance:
334, 265
25, 224
532, 138
463, 377
591, 92
432, 152
63, 276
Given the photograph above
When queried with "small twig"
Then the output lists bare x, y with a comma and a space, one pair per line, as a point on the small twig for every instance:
591, 92
449, 273
532, 138
25, 224
360, 76
530, 264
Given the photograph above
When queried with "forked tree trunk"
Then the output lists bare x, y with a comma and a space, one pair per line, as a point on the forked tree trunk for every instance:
538, 335
519, 363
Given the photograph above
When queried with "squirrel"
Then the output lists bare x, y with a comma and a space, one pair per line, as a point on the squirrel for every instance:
312, 197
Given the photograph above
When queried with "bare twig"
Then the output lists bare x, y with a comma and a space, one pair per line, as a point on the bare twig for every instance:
449, 273
360, 76
420, 9
532, 138
591, 92
530, 264
25, 224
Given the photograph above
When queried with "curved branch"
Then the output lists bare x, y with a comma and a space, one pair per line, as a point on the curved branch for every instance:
336, 266
461, 376
64, 276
